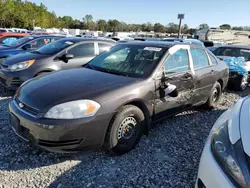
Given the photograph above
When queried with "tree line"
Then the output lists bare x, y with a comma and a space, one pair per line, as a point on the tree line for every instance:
25, 14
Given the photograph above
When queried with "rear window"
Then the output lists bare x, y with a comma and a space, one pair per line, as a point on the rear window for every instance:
233, 52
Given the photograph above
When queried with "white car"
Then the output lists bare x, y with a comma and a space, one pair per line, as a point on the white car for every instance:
225, 161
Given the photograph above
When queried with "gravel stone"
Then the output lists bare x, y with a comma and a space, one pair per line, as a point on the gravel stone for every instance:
168, 157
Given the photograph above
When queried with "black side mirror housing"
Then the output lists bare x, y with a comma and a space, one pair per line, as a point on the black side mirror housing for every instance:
26, 47
66, 57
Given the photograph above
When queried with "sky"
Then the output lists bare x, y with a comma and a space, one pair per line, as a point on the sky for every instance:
212, 12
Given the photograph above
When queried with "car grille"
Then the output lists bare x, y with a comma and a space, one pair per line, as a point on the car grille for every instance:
26, 108
16, 81
47, 143
24, 132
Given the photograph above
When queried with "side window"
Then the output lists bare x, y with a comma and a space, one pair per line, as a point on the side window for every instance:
40, 42
86, 49
200, 58
177, 62
103, 47
7, 39
213, 60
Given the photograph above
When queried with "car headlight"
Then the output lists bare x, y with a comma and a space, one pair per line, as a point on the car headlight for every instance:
21, 66
230, 157
73, 110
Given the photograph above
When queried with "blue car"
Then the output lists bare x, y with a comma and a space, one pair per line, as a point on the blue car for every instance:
238, 60
25, 44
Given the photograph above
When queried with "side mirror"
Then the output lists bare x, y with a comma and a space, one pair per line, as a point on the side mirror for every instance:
27, 46
66, 57
171, 90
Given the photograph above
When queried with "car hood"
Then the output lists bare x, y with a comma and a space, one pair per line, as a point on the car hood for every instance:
5, 47
46, 91
23, 57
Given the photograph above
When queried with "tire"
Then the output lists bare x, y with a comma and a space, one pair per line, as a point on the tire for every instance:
214, 96
131, 119
241, 83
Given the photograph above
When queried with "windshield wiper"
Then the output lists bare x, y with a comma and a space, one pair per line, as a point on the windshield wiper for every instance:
89, 66
113, 72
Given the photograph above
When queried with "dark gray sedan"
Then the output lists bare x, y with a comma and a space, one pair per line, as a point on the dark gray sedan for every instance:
113, 100
59, 55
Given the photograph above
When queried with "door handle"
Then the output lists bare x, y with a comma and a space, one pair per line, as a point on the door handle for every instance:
186, 78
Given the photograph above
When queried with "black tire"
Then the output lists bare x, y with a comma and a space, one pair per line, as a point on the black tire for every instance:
241, 83
214, 96
125, 130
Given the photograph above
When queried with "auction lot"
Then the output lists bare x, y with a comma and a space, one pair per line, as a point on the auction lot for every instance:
168, 157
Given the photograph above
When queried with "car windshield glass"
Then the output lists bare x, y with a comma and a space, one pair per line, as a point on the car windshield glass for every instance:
233, 52
129, 60
20, 41
54, 47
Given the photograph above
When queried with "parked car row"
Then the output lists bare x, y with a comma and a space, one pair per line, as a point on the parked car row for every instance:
81, 93
109, 100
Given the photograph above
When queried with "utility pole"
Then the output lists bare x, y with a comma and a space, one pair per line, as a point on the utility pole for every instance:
180, 17
33, 23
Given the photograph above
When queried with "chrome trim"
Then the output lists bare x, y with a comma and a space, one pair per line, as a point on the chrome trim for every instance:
19, 134
18, 107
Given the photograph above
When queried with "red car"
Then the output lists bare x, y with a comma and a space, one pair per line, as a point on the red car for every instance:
4, 36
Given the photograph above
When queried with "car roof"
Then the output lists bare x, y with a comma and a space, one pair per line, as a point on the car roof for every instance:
42, 36
80, 39
236, 46
13, 34
161, 44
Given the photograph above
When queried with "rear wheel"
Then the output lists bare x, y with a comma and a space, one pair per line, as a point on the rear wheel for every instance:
214, 97
125, 130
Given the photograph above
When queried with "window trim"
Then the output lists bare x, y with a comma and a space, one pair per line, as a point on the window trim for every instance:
204, 67
80, 43
101, 42
189, 64
211, 64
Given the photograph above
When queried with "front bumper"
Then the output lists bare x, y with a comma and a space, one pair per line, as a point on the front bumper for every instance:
59, 135
210, 174
11, 80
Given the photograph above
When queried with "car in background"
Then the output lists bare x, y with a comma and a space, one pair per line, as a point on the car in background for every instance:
62, 54
146, 39
238, 59
112, 101
6, 38
225, 159
25, 44
216, 44
171, 39
193, 41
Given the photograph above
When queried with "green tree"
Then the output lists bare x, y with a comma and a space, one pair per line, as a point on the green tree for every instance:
159, 28
203, 26
101, 25
225, 26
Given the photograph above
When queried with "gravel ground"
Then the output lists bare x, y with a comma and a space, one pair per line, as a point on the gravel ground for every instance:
168, 157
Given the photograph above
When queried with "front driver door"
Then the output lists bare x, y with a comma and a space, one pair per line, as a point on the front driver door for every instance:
177, 71
82, 53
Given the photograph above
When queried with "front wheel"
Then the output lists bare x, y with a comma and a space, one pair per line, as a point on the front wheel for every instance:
214, 96
125, 130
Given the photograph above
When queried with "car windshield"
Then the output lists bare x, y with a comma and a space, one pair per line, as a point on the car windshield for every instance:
54, 47
233, 52
129, 60
19, 41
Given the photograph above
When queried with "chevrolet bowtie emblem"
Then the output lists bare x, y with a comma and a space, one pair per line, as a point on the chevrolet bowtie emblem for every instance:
21, 105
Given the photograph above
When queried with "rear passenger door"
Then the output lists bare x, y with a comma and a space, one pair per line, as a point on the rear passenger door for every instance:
82, 52
204, 78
